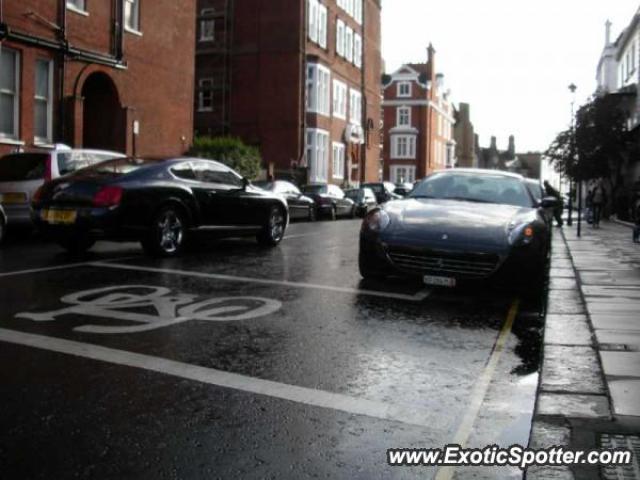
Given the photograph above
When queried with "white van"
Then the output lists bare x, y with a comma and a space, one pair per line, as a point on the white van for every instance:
21, 174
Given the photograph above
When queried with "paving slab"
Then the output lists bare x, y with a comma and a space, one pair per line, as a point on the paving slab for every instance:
618, 291
621, 364
573, 405
567, 330
606, 305
629, 339
562, 284
617, 321
564, 301
571, 370
621, 277
625, 394
561, 272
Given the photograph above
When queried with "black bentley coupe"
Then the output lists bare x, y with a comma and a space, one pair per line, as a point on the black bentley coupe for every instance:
159, 202
458, 225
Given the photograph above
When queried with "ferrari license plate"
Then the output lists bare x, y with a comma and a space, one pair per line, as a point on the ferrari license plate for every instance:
64, 217
439, 281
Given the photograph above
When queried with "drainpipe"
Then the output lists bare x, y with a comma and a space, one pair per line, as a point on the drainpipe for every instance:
364, 115
303, 89
62, 71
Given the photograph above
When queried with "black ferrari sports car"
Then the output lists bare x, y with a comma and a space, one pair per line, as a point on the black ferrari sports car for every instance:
159, 202
458, 225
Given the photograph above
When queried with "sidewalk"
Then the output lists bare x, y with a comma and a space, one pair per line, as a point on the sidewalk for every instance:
589, 390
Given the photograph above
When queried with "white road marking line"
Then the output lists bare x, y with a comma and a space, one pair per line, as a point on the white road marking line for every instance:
59, 267
418, 297
480, 390
299, 235
318, 398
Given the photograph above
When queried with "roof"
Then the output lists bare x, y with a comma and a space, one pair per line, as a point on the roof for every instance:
482, 171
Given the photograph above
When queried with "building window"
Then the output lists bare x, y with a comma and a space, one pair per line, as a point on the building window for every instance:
355, 107
357, 13
205, 95
318, 89
403, 146
340, 28
404, 89
348, 44
9, 96
317, 154
317, 17
79, 5
132, 15
337, 165
403, 116
357, 50
42, 102
339, 100
403, 173
207, 25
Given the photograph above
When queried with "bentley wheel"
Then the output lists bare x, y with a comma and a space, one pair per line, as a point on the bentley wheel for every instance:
167, 233
273, 232
367, 271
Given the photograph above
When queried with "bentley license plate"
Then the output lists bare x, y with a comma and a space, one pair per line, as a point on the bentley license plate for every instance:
439, 281
64, 217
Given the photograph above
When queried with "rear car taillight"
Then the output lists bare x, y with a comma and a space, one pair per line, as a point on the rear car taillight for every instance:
108, 196
37, 196
47, 168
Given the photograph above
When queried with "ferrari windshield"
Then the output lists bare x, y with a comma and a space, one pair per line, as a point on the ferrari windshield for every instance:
474, 187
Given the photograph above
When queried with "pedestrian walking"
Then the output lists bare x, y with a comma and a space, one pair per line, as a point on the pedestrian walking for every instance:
598, 200
557, 211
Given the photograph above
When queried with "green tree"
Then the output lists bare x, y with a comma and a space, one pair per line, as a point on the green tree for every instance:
600, 147
231, 151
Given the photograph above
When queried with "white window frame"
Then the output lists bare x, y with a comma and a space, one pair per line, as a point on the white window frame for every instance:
409, 171
201, 85
318, 87
358, 11
318, 154
402, 113
132, 22
204, 37
322, 25
339, 99
49, 103
337, 160
403, 146
408, 93
348, 44
78, 6
15, 94
355, 107
357, 50
340, 37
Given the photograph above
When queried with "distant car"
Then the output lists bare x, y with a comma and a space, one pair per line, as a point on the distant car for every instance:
403, 189
459, 225
159, 202
364, 199
22, 173
331, 201
382, 190
3, 221
300, 206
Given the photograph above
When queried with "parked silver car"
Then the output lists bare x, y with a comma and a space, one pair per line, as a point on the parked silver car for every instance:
21, 174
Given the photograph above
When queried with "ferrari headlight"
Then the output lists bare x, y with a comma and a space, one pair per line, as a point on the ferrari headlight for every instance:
376, 221
521, 234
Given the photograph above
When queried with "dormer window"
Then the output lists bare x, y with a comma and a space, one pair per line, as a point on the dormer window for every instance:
404, 89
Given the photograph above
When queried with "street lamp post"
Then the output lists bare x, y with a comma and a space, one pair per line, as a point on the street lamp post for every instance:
572, 89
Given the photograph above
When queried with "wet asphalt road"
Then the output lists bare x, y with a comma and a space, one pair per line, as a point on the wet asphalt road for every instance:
129, 380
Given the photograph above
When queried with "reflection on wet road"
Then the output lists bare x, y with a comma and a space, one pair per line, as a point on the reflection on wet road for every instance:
241, 362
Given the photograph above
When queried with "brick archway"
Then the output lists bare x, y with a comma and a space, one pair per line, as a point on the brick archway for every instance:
103, 119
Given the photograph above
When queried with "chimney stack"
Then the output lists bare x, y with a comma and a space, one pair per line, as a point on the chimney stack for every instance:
494, 143
431, 63
607, 33
512, 146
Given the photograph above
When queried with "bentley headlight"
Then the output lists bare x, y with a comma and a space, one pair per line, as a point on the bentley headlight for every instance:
376, 221
521, 234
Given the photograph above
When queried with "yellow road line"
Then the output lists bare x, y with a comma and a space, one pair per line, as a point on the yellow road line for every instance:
480, 389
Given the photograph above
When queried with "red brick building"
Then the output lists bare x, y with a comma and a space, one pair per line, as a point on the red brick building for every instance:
298, 79
113, 74
418, 122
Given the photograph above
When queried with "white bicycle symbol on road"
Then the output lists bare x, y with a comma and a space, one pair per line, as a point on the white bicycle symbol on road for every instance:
132, 303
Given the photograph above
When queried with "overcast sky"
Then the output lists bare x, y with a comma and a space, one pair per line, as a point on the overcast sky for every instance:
512, 60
